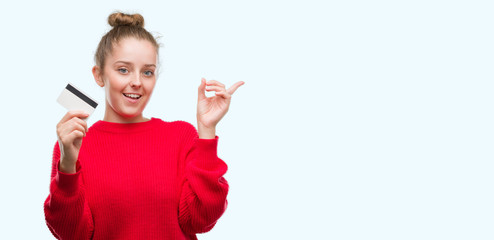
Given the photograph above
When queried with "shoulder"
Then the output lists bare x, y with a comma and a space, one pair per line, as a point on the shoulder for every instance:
184, 127
179, 126
158, 123
181, 132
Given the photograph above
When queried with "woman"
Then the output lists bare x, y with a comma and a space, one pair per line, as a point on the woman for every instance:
130, 177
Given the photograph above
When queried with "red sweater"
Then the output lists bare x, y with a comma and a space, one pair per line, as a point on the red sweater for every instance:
148, 180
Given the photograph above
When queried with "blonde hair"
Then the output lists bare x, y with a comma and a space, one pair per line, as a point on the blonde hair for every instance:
124, 26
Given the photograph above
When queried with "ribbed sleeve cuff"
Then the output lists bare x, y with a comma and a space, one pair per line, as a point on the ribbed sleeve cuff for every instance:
207, 144
206, 151
66, 182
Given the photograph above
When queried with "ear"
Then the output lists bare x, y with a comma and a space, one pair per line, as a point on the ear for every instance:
97, 76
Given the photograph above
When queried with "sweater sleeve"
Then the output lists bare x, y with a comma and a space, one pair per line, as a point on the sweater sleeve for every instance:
67, 212
204, 190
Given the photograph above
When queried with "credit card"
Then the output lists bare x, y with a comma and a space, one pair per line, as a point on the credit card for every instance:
74, 99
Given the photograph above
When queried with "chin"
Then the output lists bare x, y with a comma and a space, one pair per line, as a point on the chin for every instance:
128, 113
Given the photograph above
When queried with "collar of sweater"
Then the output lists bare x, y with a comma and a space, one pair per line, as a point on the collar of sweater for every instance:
125, 127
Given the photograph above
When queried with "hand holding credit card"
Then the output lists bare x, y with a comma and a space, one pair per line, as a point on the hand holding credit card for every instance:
75, 100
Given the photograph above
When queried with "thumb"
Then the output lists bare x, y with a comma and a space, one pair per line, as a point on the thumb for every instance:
202, 89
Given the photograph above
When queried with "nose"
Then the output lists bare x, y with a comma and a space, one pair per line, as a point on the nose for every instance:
135, 81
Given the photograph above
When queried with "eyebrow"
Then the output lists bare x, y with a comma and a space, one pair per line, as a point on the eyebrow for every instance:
129, 63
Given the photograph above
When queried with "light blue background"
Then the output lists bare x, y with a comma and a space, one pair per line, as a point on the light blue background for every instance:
358, 119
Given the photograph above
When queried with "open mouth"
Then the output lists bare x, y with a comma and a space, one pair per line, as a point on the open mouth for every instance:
133, 96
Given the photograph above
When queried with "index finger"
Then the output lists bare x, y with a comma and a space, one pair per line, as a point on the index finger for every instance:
70, 114
233, 88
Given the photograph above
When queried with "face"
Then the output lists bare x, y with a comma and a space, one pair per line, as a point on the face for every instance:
128, 78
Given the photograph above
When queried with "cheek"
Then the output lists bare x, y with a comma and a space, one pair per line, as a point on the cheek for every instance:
150, 86
113, 88
111, 96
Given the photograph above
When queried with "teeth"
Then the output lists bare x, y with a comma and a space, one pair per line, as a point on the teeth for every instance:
135, 96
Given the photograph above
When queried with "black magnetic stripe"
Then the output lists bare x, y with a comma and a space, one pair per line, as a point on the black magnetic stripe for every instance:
81, 96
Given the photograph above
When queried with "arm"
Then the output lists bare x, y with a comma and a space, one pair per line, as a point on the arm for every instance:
67, 213
204, 190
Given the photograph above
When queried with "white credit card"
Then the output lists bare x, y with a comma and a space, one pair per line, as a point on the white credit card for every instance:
74, 99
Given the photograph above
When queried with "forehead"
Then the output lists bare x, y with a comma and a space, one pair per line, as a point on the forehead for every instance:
136, 51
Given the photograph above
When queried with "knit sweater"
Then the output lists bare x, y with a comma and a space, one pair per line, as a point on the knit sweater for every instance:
148, 180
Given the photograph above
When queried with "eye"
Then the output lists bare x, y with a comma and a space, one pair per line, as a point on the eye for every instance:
123, 70
148, 73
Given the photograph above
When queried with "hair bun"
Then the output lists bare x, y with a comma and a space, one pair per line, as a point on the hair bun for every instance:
122, 19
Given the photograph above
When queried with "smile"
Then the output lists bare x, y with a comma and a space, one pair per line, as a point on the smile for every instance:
133, 96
